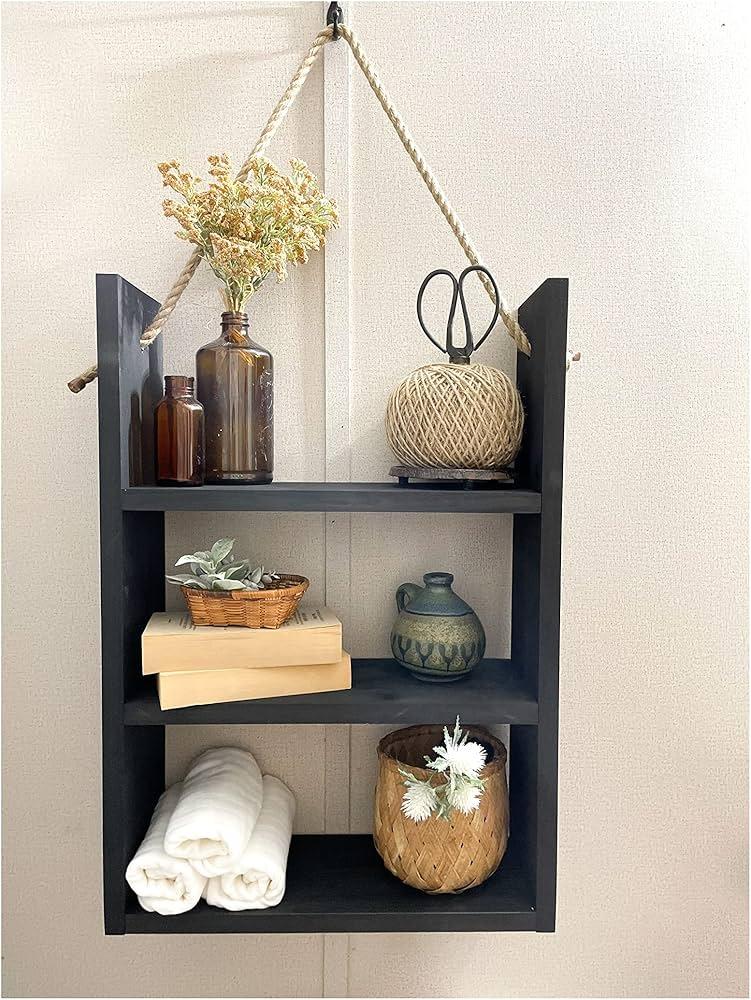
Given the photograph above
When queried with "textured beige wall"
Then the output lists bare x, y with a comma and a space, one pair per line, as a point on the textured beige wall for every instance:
598, 141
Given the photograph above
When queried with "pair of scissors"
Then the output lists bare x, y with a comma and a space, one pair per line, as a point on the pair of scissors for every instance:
459, 355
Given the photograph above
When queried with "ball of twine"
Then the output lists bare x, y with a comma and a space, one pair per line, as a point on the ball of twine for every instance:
450, 416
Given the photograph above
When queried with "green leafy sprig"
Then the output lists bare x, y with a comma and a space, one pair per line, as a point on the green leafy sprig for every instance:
215, 570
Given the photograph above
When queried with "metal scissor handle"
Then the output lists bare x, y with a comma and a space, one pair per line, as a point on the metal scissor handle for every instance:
458, 354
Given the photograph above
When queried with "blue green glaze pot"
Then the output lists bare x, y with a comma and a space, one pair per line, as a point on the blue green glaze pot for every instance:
436, 636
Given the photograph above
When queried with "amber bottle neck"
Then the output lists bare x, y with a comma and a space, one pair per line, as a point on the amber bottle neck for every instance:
178, 386
234, 325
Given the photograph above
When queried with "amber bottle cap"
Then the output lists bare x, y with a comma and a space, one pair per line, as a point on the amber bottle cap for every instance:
179, 383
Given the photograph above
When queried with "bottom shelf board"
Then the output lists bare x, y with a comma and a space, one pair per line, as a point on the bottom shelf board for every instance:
338, 884
382, 692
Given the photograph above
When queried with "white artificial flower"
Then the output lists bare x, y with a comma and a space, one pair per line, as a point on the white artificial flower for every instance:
464, 796
418, 801
458, 756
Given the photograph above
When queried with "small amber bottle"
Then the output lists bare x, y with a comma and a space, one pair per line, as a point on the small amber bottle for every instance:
178, 428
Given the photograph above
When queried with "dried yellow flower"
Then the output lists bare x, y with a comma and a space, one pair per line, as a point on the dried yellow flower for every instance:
249, 229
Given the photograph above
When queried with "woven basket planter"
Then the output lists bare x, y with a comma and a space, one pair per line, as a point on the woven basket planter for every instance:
249, 608
439, 855
452, 416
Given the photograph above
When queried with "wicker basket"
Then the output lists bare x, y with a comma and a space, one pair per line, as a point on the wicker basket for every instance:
250, 608
439, 855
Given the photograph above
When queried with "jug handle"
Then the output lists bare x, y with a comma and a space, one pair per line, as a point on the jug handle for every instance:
406, 593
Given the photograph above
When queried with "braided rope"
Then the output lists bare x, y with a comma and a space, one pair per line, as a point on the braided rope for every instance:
82, 380
509, 319
278, 115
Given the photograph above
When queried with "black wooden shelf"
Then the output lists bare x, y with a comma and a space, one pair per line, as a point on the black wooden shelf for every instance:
382, 693
371, 497
337, 883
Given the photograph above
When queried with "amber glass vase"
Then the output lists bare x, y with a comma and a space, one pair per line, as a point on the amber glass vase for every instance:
178, 429
236, 389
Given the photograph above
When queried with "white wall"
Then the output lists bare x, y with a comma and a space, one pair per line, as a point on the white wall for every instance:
595, 141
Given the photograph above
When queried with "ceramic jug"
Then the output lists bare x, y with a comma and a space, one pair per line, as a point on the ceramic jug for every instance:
436, 636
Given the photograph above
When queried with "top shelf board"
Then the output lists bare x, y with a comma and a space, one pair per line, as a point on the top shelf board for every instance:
371, 497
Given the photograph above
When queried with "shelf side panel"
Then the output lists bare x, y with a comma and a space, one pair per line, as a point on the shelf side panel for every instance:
542, 383
130, 383
523, 777
132, 568
537, 560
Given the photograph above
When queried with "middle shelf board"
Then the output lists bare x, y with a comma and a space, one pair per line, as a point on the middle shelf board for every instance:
366, 497
382, 692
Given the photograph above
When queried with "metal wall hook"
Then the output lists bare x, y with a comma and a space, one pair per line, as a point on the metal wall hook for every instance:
334, 17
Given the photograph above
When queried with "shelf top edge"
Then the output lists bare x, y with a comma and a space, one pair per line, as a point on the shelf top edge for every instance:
381, 694
280, 484
323, 496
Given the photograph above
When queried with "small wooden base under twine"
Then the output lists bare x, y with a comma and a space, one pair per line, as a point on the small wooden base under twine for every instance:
469, 479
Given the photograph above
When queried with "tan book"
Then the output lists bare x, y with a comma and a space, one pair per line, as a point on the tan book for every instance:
180, 689
171, 641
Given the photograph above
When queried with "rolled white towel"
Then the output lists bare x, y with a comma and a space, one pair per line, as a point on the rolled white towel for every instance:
260, 878
216, 812
163, 884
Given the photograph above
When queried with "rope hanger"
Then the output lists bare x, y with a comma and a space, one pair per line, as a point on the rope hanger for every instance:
332, 32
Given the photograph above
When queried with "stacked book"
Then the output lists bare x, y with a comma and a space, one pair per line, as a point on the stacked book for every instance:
204, 665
